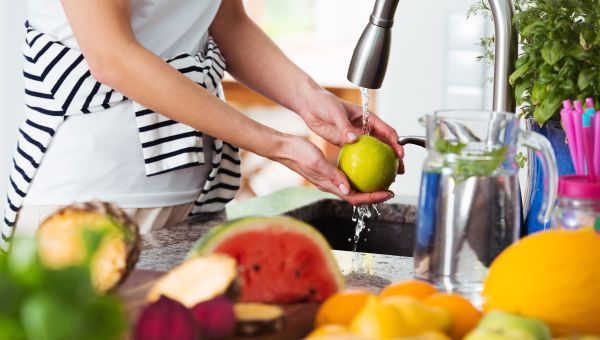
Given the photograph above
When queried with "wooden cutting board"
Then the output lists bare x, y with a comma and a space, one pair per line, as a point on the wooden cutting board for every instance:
299, 317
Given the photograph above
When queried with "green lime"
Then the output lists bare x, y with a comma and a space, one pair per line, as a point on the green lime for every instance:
369, 164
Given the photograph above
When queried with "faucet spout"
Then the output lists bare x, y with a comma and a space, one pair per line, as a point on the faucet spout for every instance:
369, 61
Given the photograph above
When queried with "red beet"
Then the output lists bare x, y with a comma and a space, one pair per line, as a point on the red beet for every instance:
215, 317
166, 319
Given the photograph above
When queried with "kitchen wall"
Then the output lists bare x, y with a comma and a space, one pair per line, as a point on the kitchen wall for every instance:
12, 17
432, 66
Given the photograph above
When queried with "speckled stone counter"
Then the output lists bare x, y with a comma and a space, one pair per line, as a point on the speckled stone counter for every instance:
164, 249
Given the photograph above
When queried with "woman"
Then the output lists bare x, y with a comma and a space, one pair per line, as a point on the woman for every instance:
99, 72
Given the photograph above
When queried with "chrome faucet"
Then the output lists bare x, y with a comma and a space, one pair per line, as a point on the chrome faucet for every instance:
370, 58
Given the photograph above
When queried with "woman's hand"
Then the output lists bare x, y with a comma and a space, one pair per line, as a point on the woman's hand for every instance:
307, 160
340, 122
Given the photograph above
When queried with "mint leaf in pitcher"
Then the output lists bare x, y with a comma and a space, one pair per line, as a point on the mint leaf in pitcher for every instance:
470, 164
447, 147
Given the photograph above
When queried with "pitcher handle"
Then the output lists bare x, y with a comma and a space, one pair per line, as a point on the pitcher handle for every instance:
544, 151
416, 140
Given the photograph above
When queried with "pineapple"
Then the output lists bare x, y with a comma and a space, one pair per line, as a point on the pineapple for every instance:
61, 242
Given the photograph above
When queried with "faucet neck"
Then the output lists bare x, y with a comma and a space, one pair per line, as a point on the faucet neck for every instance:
383, 13
505, 54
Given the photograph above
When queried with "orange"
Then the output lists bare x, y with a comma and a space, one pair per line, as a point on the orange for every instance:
465, 316
415, 288
553, 276
341, 307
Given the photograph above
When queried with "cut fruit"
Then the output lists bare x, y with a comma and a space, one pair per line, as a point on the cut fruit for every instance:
166, 319
197, 280
257, 318
281, 260
215, 317
62, 241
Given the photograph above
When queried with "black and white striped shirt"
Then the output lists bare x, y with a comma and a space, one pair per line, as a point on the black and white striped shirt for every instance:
58, 84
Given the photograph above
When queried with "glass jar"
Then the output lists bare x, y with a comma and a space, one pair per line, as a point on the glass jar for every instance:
578, 204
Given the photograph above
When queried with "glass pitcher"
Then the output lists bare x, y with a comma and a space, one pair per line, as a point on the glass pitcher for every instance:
469, 204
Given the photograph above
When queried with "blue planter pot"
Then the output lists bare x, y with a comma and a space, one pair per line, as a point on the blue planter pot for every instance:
554, 132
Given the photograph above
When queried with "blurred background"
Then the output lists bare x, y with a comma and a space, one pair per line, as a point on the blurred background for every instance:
432, 66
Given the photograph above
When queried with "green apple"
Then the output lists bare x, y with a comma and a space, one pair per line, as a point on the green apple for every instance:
494, 334
500, 325
369, 164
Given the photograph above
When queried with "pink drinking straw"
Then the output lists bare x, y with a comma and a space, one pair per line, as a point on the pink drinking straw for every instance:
578, 129
597, 144
589, 102
578, 106
567, 120
567, 105
588, 142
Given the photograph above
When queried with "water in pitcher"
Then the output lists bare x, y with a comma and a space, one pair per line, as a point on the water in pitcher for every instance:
463, 224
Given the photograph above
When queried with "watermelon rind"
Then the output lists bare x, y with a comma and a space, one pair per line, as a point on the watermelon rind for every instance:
218, 234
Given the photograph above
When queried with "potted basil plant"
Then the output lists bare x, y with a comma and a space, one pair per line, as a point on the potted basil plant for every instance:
559, 58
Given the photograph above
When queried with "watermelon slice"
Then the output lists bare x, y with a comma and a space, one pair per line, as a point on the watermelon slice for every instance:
281, 260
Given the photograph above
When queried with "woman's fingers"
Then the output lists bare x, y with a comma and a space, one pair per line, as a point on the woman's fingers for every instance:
358, 198
386, 133
348, 131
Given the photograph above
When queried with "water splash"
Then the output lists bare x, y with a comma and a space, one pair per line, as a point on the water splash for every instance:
359, 214
364, 96
374, 206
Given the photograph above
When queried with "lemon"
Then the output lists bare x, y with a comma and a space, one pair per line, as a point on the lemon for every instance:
369, 164
418, 317
329, 330
378, 320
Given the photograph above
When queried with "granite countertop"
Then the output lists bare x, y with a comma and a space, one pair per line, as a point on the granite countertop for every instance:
166, 248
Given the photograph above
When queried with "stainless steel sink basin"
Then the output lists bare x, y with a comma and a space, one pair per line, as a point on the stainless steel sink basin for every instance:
390, 233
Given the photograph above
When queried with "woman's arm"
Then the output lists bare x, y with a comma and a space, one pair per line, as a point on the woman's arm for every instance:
103, 31
253, 59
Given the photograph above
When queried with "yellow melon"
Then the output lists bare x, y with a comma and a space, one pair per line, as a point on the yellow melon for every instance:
553, 276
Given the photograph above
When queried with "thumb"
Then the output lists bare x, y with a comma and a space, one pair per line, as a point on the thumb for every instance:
349, 134
339, 180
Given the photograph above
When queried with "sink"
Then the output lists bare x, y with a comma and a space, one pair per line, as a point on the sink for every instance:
390, 233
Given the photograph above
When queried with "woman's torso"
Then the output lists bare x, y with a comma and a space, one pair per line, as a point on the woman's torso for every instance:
98, 156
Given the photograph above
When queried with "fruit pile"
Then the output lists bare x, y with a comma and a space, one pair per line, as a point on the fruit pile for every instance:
182, 309
547, 284
406, 309
234, 278
415, 310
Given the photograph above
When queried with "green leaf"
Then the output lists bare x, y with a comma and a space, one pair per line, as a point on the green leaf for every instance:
582, 42
548, 108
45, 317
520, 89
585, 78
519, 72
552, 52
539, 93
445, 147
10, 328
521, 160
547, 74
535, 27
